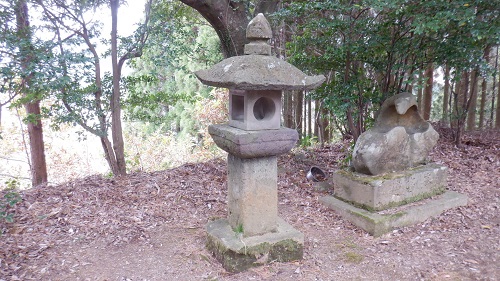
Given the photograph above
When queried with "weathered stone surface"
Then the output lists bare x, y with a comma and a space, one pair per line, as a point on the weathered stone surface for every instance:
400, 138
255, 110
252, 194
259, 28
237, 253
258, 32
253, 234
256, 72
257, 48
257, 69
251, 144
379, 223
376, 193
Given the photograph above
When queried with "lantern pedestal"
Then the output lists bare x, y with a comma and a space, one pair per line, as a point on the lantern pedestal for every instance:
237, 253
253, 234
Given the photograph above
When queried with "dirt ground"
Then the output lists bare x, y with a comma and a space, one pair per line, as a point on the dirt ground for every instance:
150, 226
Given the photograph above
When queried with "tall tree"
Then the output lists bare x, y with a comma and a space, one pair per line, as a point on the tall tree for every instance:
427, 97
461, 102
484, 89
495, 73
446, 97
288, 111
31, 97
115, 105
471, 110
86, 96
309, 115
420, 92
298, 107
497, 111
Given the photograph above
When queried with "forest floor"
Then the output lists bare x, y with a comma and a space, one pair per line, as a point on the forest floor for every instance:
151, 226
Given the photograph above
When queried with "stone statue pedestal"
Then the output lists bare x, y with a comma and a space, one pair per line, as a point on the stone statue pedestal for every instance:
377, 193
379, 204
393, 185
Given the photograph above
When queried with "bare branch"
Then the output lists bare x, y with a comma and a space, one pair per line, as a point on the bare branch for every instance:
11, 159
15, 177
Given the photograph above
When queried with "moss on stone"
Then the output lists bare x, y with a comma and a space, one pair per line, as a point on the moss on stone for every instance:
368, 179
355, 204
366, 217
416, 198
286, 250
245, 258
230, 260
395, 216
394, 204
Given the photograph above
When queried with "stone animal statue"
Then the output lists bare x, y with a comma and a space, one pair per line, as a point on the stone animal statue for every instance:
400, 138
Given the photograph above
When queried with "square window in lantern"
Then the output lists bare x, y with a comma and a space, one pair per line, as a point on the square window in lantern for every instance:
237, 107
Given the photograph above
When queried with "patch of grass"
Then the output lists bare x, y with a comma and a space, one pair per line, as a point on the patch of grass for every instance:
353, 257
239, 229
348, 244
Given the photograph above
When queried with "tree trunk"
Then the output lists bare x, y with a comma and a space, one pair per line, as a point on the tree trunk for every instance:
461, 107
493, 90
420, 91
482, 105
497, 116
472, 103
454, 102
349, 112
325, 124
109, 155
316, 119
288, 109
35, 129
322, 124
484, 88
446, 98
309, 116
230, 20
116, 121
427, 98
298, 112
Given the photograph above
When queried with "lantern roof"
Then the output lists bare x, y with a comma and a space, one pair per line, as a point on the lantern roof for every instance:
257, 69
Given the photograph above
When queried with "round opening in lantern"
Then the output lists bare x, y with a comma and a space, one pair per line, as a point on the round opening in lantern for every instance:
264, 108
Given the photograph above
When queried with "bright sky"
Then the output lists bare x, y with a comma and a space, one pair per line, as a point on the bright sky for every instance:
129, 15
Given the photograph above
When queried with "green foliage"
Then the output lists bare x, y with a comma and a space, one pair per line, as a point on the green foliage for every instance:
152, 147
308, 141
10, 198
26, 72
238, 231
373, 49
346, 162
163, 89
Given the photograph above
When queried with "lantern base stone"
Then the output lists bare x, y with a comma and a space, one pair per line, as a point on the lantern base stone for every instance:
237, 253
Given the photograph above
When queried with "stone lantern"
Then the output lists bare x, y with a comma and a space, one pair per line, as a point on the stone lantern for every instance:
253, 233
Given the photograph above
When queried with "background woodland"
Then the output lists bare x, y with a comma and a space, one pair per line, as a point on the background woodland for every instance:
137, 97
